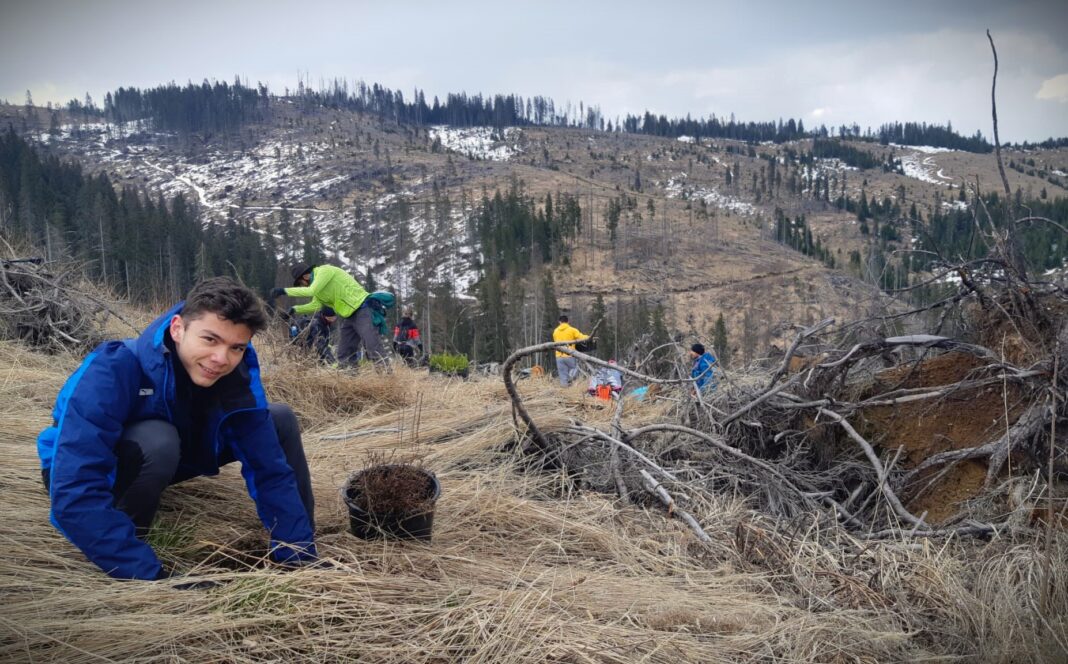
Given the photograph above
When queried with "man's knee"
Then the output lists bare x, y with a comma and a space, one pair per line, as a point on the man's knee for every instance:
154, 445
285, 423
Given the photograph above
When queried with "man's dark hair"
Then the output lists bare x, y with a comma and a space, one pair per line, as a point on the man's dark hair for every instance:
563, 319
228, 299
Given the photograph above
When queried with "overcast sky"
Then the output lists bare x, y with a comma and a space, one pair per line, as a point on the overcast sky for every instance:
824, 61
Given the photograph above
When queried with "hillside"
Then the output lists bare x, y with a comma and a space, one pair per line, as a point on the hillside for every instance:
695, 229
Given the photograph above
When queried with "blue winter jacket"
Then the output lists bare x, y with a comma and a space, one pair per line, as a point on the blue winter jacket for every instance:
122, 382
704, 370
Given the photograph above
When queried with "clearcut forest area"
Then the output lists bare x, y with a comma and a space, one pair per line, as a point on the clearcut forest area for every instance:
876, 475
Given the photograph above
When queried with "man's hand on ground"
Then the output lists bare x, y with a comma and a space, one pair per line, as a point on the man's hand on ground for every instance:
203, 584
307, 564
193, 584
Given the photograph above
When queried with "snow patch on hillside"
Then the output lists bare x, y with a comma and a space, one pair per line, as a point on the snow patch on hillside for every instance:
479, 142
677, 188
921, 168
835, 164
955, 205
281, 177
685, 139
926, 149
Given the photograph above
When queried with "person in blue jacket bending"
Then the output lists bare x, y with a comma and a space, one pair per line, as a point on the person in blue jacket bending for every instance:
179, 401
703, 368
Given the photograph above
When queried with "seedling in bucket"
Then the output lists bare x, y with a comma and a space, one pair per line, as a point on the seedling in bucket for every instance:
392, 500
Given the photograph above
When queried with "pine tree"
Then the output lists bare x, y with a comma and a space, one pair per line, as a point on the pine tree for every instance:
606, 347
312, 242
492, 333
660, 343
550, 306
286, 235
719, 341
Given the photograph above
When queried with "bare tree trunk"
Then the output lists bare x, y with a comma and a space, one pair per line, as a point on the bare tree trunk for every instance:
103, 256
1015, 258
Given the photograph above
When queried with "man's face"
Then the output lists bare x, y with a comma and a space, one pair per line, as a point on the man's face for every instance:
210, 346
305, 279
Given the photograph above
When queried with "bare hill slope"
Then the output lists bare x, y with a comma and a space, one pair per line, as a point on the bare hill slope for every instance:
696, 233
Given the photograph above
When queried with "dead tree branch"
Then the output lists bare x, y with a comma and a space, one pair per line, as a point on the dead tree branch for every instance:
803, 334
880, 471
655, 488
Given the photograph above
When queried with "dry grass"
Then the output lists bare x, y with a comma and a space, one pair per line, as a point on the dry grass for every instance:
521, 569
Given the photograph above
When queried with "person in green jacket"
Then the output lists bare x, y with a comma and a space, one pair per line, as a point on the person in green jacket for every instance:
333, 287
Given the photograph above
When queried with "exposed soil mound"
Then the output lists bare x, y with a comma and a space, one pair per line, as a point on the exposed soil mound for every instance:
963, 418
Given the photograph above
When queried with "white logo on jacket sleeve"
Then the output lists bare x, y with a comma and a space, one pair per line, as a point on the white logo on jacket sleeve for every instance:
145, 392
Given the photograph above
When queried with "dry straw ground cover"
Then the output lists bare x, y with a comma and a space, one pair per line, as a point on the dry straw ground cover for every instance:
522, 568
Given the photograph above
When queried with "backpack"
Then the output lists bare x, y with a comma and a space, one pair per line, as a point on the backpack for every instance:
298, 325
379, 302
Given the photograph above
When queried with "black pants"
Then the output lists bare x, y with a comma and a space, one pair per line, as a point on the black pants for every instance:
148, 454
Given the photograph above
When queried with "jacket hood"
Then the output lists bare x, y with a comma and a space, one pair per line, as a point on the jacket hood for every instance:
150, 348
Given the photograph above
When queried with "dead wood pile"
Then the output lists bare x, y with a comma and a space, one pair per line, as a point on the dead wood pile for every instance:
41, 305
925, 435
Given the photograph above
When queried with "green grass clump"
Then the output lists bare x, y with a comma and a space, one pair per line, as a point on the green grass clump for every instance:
449, 363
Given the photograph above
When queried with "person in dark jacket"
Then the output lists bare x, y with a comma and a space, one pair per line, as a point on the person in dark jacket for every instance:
318, 334
406, 341
177, 402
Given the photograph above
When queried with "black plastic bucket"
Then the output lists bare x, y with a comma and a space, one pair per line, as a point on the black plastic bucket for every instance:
394, 525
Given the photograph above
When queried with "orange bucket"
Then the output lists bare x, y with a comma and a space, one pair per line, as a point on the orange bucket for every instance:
604, 392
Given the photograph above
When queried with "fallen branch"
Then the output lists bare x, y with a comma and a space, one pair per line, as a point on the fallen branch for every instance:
655, 488
540, 442
597, 433
725, 448
770, 392
880, 471
803, 334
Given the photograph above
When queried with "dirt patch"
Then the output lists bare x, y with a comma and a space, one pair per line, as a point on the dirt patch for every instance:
962, 419
942, 501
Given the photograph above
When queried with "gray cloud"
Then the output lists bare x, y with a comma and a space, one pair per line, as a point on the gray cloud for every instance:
826, 62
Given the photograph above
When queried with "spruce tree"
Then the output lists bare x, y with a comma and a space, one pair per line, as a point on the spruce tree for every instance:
719, 341
606, 347
550, 306
492, 333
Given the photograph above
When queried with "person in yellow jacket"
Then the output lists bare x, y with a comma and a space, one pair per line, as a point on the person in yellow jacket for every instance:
566, 365
333, 287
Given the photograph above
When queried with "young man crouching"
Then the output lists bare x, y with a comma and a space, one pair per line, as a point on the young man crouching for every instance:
177, 402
